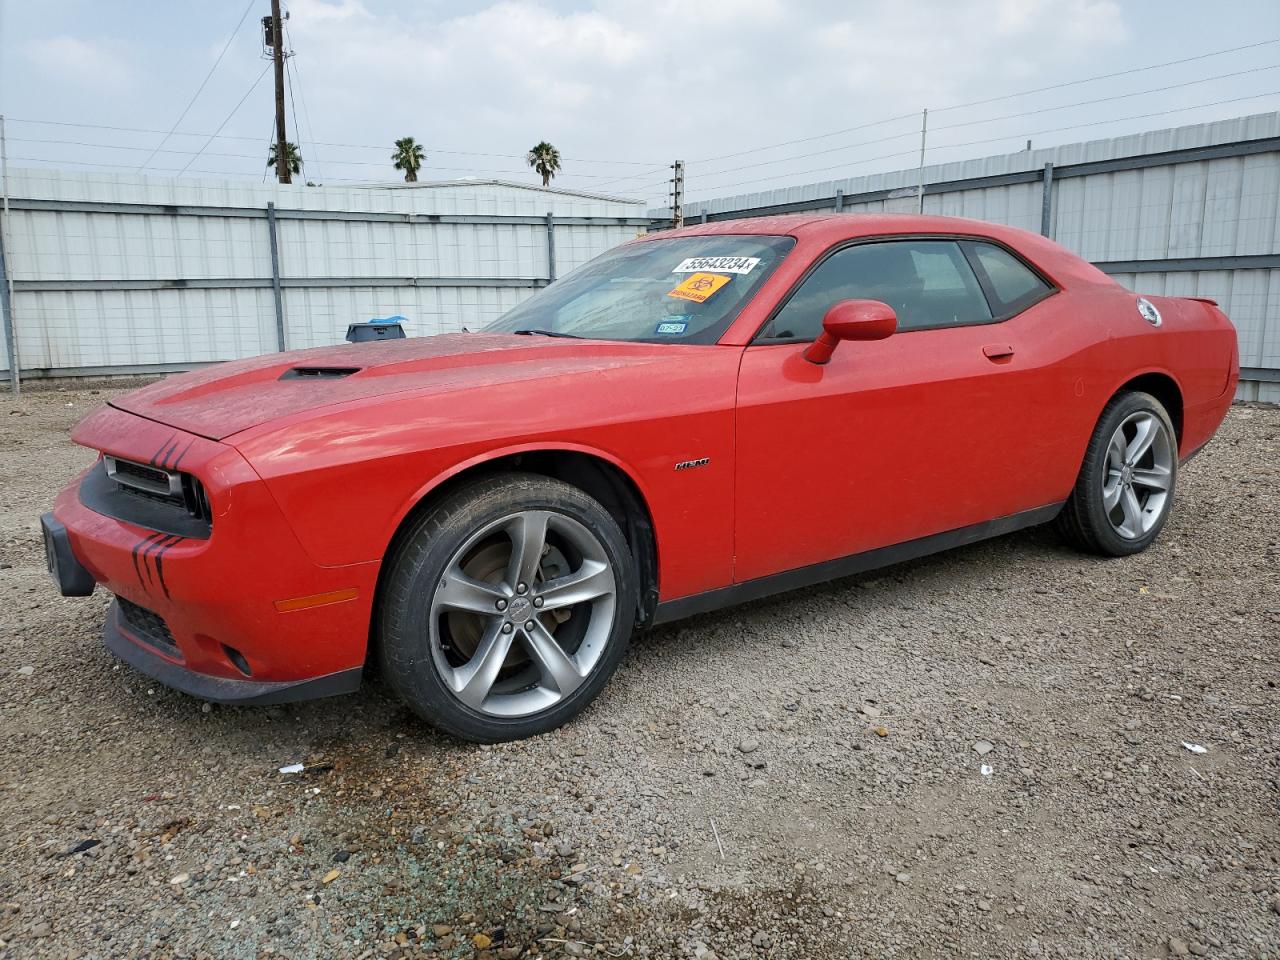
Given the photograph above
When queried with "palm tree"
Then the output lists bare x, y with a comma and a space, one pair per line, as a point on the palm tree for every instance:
292, 157
409, 156
545, 159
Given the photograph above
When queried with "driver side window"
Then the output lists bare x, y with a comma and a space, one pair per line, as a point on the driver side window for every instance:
929, 284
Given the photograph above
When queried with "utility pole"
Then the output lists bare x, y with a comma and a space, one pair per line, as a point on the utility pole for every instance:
677, 194
277, 55
924, 127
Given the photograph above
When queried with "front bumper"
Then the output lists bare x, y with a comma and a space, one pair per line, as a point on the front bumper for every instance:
220, 689
69, 574
226, 607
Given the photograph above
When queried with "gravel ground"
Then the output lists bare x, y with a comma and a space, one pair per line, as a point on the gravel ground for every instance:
976, 754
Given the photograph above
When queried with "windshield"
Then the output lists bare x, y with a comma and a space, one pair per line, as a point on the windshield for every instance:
686, 289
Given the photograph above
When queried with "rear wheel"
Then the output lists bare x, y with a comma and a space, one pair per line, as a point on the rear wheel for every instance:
507, 607
1125, 489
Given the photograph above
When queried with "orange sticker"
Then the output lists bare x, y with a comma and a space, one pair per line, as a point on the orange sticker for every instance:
699, 287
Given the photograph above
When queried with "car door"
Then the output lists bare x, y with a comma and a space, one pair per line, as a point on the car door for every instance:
930, 430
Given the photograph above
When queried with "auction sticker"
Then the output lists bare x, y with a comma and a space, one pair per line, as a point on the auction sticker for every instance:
719, 264
698, 288
672, 327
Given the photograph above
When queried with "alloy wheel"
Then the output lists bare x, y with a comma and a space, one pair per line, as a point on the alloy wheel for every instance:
522, 613
1138, 474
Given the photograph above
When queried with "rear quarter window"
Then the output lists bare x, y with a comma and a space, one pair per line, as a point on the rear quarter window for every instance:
1011, 285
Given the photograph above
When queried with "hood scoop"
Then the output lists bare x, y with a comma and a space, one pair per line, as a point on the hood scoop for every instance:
318, 373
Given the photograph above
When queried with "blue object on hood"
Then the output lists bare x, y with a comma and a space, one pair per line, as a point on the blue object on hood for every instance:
388, 328
395, 319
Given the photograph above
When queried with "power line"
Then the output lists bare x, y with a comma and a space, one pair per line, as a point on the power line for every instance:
1098, 123
215, 133
1110, 76
322, 143
245, 156
271, 138
293, 108
820, 136
1118, 96
803, 173
1007, 96
815, 153
203, 83
634, 176
1010, 116
1015, 136
253, 156
302, 95
609, 180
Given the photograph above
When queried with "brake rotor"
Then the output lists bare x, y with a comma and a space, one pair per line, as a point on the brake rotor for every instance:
488, 564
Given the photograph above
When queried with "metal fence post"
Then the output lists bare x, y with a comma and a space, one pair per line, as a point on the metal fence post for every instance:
7, 309
551, 247
839, 201
6, 280
1046, 201
275, 276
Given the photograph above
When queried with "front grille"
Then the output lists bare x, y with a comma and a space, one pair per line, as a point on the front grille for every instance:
152, 497
148, 627
153, 477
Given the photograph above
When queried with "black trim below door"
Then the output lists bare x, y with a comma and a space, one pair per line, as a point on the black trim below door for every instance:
848, 566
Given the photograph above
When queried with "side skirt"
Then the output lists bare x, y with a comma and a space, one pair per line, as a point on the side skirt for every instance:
850, 565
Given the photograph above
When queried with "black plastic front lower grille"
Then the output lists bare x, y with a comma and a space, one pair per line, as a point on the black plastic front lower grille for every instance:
148, 627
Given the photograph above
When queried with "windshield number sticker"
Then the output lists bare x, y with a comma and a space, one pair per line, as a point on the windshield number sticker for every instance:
719, 264
671, 328
698, 288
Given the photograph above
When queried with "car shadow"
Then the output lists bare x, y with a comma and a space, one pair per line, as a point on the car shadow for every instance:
904, 579
373, 718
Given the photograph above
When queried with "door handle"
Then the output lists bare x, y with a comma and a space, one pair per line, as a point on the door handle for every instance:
996, 352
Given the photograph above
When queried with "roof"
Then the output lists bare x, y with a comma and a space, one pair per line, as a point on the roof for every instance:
839, 226
816, 232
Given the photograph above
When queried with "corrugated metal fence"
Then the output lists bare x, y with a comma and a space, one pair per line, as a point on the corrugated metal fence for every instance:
1190, 211
120, 273
115, 273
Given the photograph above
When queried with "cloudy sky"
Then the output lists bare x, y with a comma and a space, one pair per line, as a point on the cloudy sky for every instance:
752, 94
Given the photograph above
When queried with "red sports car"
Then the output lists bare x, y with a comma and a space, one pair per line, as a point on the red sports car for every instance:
690, 420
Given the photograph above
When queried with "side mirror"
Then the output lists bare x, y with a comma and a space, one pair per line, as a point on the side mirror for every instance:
852, 320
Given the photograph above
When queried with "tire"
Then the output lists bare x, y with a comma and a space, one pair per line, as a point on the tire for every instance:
1120, 502
506, 608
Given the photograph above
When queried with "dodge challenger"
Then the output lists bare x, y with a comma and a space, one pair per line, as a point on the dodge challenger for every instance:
693, 419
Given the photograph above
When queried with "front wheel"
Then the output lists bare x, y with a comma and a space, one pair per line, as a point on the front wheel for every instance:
1125, 489
507, 607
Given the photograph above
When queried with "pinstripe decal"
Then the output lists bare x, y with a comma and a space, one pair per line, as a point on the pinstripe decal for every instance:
185, 451
169, 453
159, 562
151, 550
145, 542
156, 456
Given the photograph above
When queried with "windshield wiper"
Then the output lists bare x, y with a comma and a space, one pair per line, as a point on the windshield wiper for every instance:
535, 332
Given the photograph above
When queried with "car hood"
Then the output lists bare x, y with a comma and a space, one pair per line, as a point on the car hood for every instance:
224, 399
